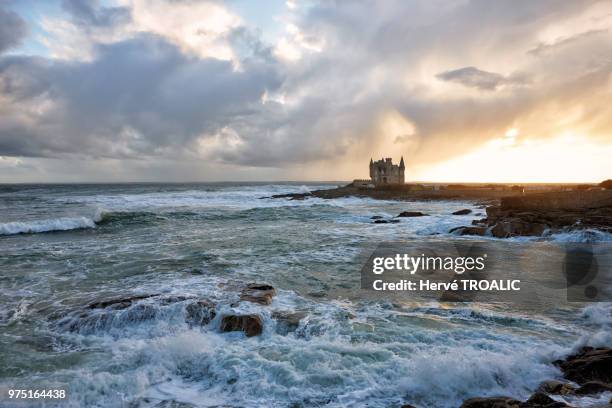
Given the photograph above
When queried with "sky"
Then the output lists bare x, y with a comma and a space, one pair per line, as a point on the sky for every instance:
238, 90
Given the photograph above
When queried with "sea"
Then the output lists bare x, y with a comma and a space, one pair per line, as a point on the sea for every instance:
64, 247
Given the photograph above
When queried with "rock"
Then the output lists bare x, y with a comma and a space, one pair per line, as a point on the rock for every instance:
119, 303
481, 221
481, 231
251, 324
200, 313
386, 221
465, 211
288, 322
376, 217
541, 400
514, 227
593, 387
258, 293
589, 364
407, 406
491, 402
556, 387
411, 214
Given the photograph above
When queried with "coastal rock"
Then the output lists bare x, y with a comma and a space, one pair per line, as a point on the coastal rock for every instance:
288, 321
589, 364
556, 387
516, 227
376, 217
251, 324
412, 214
386, 221
480, 231
465, 211
119, 303
200, 313
260, 293
541, 400
593, 387
491, 402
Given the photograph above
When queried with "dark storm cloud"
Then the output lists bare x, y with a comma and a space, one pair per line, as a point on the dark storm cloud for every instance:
137, 97
12, 29
473, 77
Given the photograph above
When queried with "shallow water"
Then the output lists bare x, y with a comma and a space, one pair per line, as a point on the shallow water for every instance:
63, 247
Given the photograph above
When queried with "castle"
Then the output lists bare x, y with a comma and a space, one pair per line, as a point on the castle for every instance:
384, 172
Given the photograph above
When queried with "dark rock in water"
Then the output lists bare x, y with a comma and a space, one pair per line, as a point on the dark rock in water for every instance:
541, 400
119, 303
292, 196
491, 402
258, 293
376, 217
411, 214
407, 406
200, 313
593, 387
386, 221
465, 211
589, 364
251, 324
556, 387
288, 322
480, 231
516, 227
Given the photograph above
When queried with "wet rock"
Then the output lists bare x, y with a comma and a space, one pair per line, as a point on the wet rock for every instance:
407, 406
251, 324
556, 387
589, 364
465, 211
491, 402
480, 231
376, 217
260, 293
541, 400
386, 221
411, 214
200, 313
515, 227
593, 387
119, 303
288, 321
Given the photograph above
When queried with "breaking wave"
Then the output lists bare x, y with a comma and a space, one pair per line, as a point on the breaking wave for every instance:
57, 224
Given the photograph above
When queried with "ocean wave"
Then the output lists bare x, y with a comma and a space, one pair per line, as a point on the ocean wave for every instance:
49, 225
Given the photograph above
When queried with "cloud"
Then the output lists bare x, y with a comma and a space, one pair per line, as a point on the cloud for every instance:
12, 30
473, 77
193, 82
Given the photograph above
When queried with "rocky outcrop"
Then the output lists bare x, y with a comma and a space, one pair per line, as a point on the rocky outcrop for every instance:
200, 312
391, 221
505, 223
119, 303
589, 364
260, 293
481, 231
555, 387
288, 321
537, 400
465, 211
412, 214
491, 402
251, 324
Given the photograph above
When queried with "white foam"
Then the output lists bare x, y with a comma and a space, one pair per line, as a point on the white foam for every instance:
57, 224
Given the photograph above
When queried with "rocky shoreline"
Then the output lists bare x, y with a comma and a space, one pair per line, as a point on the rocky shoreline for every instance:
510, 220
588, 372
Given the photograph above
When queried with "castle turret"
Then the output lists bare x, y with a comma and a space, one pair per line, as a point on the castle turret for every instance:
401, 166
